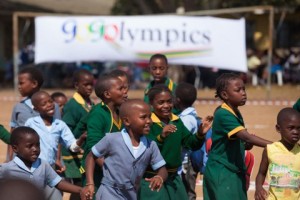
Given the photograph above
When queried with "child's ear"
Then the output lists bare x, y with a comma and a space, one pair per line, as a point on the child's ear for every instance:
15, 148
126, 121
224, 95
277, 128
106, 94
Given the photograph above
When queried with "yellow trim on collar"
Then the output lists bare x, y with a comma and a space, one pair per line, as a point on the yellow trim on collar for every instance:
170, 86
78, 98
111, 117
226, 107
155, 119
234, 131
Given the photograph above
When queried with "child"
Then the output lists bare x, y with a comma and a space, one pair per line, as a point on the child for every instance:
121, 75
170, 134
104, 118
127, 154
224, 175
281, 160
158, 67
30, 81
51, 130
74, 110
195, 161
59, 98
26, 164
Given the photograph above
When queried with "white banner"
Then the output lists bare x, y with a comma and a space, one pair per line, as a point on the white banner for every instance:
202, 41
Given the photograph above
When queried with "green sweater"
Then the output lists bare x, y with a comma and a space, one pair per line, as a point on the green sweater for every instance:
296, 106
4, 135
170, 147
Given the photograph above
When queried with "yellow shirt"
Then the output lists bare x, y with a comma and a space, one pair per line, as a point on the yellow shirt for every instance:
283, 172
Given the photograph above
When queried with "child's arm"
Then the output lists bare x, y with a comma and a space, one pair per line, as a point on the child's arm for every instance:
90, 161
252, 139
68, 187
156, 182
59, 167
260, 192
81, 139
4, 135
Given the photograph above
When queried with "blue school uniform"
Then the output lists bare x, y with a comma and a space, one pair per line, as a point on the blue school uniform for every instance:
40, 174
123, 170
49, 139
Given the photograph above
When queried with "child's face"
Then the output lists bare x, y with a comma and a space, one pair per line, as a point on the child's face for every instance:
125, 82
162, 105
117, 92
45, 106
85, 85
235, 94
28, 149
290, 129
61, 101
25, 85
139, 120
158, 69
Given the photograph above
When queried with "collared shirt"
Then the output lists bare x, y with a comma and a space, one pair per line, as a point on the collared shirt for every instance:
24, 110
40, 173
59, 133
189, 119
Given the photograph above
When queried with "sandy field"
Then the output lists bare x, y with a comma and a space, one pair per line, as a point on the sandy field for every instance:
259, 114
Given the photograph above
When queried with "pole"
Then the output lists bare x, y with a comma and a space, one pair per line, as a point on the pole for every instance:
15, 49
270, 51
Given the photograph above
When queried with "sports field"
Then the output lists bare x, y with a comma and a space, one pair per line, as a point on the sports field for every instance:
259, 114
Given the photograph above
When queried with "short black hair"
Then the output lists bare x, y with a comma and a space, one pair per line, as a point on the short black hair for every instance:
285, 113
222, 83
79, 73
118, 72
55, 95
157, 89
35, 99
18, 133
103, 84
34, 74
159, 56
187, 93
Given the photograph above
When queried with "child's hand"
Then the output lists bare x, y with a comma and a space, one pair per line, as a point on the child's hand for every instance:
59, 167
205, 125
261, 194
156, 182
87, 192
168, 129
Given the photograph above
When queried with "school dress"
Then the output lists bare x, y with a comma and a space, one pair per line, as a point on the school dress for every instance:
4, 135
170, 148
24, 110
99, 122
224, 175
123, 169
74, 110
283, 172
168, 82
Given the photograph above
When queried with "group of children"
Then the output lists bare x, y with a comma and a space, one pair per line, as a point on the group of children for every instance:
126, 148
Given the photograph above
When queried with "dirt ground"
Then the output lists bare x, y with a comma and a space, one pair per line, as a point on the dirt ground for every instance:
259, 113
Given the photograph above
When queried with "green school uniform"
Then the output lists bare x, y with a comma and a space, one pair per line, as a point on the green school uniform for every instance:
99, 122
4, 135
170, 148
224, 176
296, 106
168, 82
74, 110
